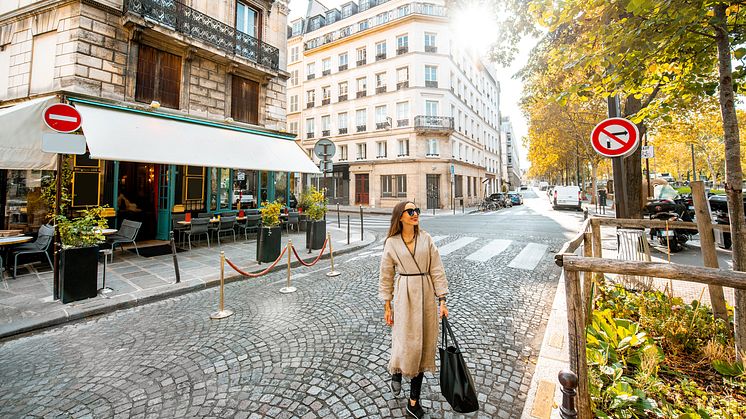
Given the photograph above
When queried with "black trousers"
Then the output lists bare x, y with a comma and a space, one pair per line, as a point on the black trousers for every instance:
416, 385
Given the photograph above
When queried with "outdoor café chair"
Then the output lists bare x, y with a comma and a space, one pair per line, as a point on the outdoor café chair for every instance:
207, 215
40, 245
292, 219
251, 225
178, 229
127, 234
227, 225
198, 227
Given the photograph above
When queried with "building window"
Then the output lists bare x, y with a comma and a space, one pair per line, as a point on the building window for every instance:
158, 77
393, 186
430, 45
326, 95
245, 100
42, 63
342, 61
361, 56
326, 66
294, 78
459, 186
381, 118
294, 54
297, 27
247, 19
362, 87
402, 114
431, 76
343, 153
310, 71
361, 118
401, 186
381, 83
310, 98
347, 11
381, 147
403, 148
402, 44
342, 91
431, 107
310, 128
432, 147
293, 128
326, 125
380, 50
363, 25
342, 122
361, 151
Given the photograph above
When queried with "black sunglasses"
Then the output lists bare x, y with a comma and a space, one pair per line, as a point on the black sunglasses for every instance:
411, 211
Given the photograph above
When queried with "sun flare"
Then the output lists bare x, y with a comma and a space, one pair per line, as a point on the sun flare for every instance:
474, 27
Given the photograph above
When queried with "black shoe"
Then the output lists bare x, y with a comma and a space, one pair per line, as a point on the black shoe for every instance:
415, 411
395, 384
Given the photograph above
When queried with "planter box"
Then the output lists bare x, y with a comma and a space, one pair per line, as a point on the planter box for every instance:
302, 222
269, 244
79, 273
315, 234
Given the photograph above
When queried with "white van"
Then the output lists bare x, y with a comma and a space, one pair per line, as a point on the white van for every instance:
543, 185
566, 196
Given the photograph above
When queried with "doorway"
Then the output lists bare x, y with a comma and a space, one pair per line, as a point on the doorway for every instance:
362, 185
433, 191
138, 197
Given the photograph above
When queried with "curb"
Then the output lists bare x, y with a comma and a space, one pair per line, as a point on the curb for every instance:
99, 306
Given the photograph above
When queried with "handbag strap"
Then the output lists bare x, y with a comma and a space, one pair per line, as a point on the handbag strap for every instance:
446, 330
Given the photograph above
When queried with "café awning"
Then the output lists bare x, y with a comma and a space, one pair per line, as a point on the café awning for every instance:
115, 133
21, 129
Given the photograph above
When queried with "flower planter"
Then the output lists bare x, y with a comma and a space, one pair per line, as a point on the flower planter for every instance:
303, 219
79, 273
269, 244
315, 234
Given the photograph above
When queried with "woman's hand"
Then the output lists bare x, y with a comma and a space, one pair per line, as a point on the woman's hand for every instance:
443, 309
388, 315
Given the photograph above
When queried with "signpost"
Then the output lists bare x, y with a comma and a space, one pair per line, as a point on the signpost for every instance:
62, 118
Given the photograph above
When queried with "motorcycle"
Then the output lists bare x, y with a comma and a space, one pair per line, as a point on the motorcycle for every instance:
668, 205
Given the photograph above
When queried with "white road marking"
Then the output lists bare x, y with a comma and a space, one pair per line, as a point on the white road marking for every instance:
453, 246
529, 256
438, 238
490, 250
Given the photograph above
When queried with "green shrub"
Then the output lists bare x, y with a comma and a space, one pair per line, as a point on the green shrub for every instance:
83, 231
271, 213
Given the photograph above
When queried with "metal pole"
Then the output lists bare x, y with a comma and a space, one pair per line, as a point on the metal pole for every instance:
222, 312
331, 256
348, 229
620, 195
339, 224
173, 255
287, 289
57, 247
647, 168
361, 223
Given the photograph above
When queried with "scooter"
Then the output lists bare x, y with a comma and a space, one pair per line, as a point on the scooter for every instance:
677, 208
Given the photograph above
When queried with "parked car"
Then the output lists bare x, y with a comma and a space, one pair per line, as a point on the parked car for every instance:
515, 198
501, 199
566, 196
543, 186
524, 187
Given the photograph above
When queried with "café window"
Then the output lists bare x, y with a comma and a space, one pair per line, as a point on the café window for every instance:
25, 209
245, 100
158, 77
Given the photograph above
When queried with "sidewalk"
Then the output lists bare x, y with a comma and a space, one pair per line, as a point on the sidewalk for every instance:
387, 211
26, 302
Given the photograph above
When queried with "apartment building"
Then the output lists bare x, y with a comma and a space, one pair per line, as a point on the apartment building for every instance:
412, 115
511, 168
182, 105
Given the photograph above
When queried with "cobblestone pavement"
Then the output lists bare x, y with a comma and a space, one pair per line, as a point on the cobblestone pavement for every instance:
320, 352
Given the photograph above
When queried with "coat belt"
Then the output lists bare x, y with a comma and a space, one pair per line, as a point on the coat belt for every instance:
416, 274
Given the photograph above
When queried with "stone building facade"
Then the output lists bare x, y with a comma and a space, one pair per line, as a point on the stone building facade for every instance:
412, 114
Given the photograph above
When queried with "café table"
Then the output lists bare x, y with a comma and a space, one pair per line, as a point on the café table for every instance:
212, 220
9, 241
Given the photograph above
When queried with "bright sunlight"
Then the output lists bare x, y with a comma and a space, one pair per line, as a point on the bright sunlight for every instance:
474, 26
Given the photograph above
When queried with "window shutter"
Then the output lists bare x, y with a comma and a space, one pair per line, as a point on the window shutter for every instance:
245, 100
169, 80
147, 61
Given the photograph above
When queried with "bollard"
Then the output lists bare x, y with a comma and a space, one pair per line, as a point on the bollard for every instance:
331, 256
569, 382
361, 223
222, 312
287, 289
173, 255
339, 222
348, 229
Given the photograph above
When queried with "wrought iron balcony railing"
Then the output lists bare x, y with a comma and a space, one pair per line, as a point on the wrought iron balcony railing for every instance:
183, 19
433, 123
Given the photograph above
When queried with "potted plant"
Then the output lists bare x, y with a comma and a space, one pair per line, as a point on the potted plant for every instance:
316, 226
79, 255
303, 204
269, 243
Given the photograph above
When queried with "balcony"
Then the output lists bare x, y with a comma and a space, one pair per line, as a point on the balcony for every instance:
380, 57
342, 131
431, 83
326, 72
382, 125
325, 101
402, 50
342, 67
325, 133
309, 105
431, 48
183, 19
402, 85
430, 124
360, 62
341, 98
361, 128
361, 94
309, 135
381, 89
310, 77
402, 123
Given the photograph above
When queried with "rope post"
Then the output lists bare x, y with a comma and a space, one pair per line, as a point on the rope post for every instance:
287, 289
331, 256
348, 229
339, 222
222, 312
569, 382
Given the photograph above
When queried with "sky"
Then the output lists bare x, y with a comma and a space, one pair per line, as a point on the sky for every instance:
511, 89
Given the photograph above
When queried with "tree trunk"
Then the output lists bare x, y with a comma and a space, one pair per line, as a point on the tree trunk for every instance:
633, 165
733, 173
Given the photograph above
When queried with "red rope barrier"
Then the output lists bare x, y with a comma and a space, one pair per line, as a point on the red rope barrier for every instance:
317, 257
250, 275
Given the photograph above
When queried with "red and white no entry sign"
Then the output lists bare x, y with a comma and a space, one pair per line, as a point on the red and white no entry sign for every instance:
62, 118
615, 137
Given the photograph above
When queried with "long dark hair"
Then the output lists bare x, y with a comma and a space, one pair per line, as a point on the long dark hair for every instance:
396, 214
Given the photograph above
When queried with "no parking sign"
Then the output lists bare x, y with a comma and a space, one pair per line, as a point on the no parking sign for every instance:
615, 137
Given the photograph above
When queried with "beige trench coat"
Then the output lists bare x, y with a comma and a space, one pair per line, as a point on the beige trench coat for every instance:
414, 336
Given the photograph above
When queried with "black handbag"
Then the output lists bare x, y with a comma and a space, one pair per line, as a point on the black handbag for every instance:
456, 383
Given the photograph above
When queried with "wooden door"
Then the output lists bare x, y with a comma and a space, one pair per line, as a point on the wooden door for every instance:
362, 185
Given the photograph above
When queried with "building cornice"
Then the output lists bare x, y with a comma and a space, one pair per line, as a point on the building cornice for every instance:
32, 10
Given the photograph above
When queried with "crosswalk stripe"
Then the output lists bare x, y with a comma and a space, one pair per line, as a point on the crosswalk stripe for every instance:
490, 250
438, 238
455, 245
529, 257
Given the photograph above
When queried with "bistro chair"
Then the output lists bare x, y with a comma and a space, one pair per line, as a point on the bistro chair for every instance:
177, 228
293, 219
251, 225
40, 245
207, 215
127, 234
227, 224
198, 227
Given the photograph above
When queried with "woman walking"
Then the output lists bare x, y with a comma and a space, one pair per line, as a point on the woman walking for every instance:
411, 278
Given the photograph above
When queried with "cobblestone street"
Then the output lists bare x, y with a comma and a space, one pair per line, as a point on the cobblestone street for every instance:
320, 352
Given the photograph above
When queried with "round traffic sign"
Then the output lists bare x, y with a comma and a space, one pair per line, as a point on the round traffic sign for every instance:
62, 118
324, 149
615, 137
